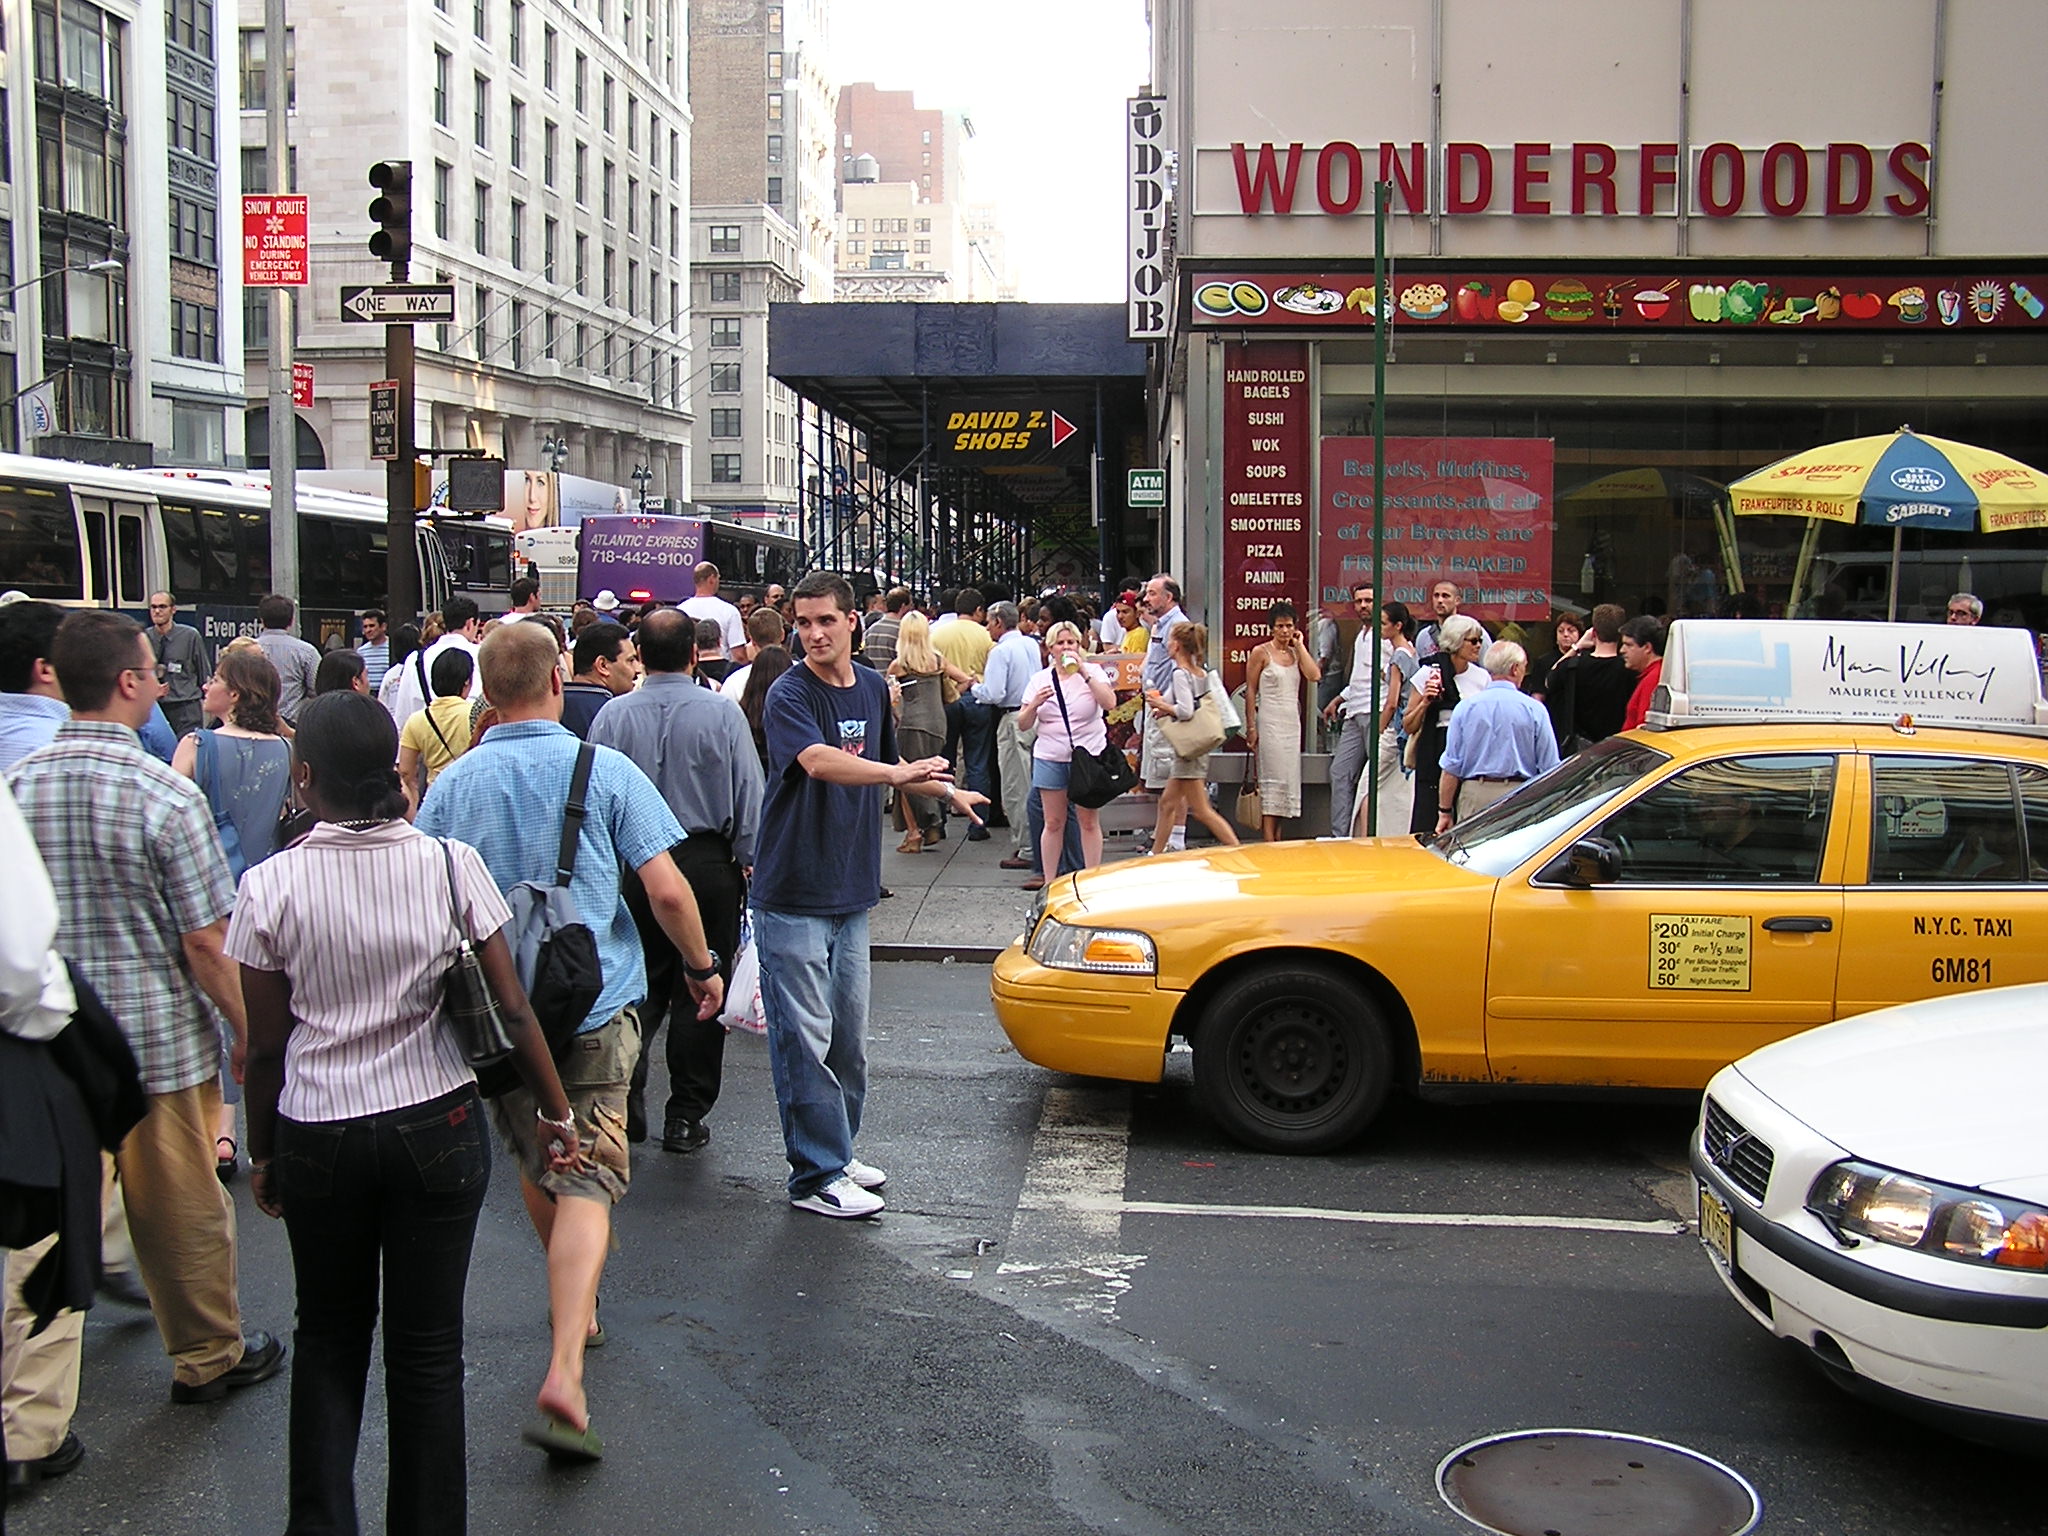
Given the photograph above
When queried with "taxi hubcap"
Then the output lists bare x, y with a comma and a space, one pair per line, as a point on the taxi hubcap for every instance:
1292, 1058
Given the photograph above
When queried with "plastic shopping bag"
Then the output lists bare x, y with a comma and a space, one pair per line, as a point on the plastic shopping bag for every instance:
742, 1008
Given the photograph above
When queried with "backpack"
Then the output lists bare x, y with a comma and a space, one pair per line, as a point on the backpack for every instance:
553, 949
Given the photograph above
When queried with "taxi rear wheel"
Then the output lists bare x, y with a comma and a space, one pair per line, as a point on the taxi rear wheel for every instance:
1293, 1060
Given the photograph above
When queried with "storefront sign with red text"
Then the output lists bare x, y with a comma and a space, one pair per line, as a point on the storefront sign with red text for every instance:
1265, 494
1474, 510
273, 241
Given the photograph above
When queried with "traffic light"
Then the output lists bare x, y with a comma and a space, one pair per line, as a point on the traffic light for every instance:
393, 211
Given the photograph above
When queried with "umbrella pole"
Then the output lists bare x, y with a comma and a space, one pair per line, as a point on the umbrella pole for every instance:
1891, 606
1803, 567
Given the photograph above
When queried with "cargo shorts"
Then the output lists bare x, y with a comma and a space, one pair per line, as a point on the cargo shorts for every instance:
596, 1071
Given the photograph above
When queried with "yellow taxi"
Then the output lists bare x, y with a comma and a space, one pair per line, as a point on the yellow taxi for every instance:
1820, 820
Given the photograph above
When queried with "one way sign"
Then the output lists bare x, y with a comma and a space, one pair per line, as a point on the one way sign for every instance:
431, 303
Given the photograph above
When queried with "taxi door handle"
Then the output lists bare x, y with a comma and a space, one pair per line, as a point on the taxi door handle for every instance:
1799, 925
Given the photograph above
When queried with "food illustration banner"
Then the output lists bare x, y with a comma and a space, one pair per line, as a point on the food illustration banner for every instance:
1265, 494
1475, 510
1638, 301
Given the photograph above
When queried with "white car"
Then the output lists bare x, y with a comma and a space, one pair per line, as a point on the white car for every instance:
1876, 1191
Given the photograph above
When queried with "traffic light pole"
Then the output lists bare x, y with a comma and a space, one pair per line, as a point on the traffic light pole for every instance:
284, 420
402, 568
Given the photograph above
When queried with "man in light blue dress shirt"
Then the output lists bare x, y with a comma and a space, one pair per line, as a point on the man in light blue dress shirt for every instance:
1009, 667
1499, 739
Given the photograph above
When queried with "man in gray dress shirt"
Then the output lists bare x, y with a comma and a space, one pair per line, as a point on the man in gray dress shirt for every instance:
180, 662
294, 659
696, 747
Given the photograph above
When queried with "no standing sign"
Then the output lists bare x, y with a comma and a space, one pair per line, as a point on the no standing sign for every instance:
274, 241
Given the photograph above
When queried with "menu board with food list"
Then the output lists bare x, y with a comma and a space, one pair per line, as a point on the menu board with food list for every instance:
1266, 506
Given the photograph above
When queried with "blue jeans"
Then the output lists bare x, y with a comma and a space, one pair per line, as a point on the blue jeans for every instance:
814, 990
386, 1201
977, 747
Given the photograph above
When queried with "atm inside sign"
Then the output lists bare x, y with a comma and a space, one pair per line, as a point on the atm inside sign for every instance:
274, 241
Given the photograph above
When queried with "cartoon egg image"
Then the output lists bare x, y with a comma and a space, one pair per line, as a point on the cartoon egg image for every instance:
1214, 299
1248, 297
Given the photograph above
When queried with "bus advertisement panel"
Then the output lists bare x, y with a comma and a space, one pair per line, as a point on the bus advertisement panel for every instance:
639, 559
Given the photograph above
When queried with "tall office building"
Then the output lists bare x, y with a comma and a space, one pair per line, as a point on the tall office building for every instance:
121, 105
550, 144
907, 230
762, 216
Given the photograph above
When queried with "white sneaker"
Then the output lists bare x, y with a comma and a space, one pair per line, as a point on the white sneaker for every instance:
841, 1197
866, 1175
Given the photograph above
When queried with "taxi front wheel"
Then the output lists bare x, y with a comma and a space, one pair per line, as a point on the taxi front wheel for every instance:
1292, 1060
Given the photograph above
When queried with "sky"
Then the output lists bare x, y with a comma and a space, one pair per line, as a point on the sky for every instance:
1044, 84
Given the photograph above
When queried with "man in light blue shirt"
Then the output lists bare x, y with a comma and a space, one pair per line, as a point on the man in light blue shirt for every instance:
1499, 739
505, 797
1010, 664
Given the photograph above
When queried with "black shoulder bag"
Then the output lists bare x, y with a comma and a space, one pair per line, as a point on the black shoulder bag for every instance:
1096, 778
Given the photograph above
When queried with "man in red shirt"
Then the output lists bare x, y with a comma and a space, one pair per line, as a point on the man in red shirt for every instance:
1642, 648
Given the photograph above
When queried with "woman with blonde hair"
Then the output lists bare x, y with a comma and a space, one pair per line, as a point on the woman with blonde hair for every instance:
921, 674
1187, 788
1066, 703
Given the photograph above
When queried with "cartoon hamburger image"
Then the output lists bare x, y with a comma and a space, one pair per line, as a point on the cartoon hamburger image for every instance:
1569, 301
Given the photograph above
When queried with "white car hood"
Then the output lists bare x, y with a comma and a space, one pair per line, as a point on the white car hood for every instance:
1950, 1088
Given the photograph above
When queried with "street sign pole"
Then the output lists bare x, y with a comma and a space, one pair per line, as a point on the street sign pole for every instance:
402, 568
284, 420
1369, 631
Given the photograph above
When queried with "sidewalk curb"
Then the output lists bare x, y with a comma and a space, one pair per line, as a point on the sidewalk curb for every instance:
961, 954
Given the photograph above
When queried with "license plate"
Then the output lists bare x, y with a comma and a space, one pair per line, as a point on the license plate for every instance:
1717, 1227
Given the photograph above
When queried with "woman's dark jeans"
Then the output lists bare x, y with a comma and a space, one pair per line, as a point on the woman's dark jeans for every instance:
398, 1192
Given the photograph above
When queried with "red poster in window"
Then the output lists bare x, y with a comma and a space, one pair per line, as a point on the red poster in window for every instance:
274, 241
302, 384
1266, 469
1475, 510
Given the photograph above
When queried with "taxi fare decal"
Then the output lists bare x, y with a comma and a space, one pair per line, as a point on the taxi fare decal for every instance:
1690, 952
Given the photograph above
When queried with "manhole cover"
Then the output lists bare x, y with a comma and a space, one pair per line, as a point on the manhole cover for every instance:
1593, 1482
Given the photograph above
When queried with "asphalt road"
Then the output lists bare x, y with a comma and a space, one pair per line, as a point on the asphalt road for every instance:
1054, 1330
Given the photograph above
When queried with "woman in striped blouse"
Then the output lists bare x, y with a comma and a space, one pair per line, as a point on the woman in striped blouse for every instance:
365, 1130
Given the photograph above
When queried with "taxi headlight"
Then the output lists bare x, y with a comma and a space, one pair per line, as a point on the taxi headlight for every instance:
1064, 947
1885, 1206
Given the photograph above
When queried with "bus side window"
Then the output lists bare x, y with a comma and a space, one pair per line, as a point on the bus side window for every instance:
39, 551
128, 559
102, 585
253, 530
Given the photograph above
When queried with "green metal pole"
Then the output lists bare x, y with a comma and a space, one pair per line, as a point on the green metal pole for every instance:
1369, 631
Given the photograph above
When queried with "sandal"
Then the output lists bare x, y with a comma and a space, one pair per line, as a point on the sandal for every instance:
563, 1441
912, 844
225, 1164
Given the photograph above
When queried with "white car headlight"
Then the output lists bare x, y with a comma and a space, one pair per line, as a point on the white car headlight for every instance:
1862, 1200
1064, 947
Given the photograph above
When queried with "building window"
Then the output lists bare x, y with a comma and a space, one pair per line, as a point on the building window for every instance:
774, 20
775, 106
725, 378
518, 333
725, 469
251, 66
583, 175
518, 247
924, 226
632, 205
441, 65
550, 144
922, 247
610, 179
606, 105
444, 176
675, 306
774, 65
654, 221
516, 144
191, 125
198, 434
610, 272
632, 286
725, 421
725, 239
725, 333
194, 226
189, 24
927, 157
605, 354
582, 263
515, 34
581, 359
482, 223
675, 155
632, 122
856, 227
775, 149
675, 225
85, 55
479, 17
481, 126
725, 287
483, 323
549, 45
550, 233
195, 331
927, 136
774, 191
855, 247
582, 85
547, 333
925, 181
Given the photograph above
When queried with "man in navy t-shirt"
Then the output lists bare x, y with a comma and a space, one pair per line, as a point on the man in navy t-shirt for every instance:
817, 871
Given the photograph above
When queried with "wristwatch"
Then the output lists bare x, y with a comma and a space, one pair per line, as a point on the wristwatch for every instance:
706, 973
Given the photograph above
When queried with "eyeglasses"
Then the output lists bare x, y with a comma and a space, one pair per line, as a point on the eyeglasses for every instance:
154, 674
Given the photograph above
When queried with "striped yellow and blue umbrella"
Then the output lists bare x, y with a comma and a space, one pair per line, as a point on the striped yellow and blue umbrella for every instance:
1900, 480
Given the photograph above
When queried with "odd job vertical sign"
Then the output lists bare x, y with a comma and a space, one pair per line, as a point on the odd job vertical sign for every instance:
1265, 493
1475, 510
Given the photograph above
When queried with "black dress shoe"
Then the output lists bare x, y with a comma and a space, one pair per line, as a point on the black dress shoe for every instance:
262, 1358
681, 1135
977, 834
24, 1475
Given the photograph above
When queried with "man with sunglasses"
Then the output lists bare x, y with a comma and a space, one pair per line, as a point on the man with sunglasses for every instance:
180, 662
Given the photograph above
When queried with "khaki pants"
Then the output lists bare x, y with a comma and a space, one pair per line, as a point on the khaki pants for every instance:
183, 1226
1013, 763
1475, 795
39, 1375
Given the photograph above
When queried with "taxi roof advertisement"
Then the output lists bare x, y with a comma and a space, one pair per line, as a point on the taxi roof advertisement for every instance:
1723, 670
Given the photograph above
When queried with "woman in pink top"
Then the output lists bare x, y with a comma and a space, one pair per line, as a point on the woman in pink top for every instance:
1085, 690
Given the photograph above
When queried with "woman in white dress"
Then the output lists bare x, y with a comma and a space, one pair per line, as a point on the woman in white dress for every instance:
1272, 700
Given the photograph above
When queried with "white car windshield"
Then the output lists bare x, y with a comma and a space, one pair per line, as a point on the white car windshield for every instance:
1502, 836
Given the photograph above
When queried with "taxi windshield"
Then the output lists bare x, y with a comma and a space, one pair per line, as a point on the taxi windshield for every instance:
1500, 837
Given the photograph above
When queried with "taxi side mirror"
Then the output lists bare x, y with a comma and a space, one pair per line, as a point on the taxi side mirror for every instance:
1589, 861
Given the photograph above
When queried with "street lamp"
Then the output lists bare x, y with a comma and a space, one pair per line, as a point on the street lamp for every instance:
642, 476
557, 450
